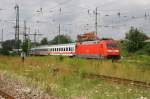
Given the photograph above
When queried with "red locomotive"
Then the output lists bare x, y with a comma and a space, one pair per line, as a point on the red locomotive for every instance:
98, 49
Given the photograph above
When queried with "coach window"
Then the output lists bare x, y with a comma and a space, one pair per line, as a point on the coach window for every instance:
64, 49
69, 49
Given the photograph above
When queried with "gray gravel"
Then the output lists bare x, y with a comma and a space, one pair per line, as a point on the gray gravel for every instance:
19, 91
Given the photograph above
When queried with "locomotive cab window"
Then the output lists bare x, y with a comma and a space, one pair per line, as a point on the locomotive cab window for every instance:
112, 46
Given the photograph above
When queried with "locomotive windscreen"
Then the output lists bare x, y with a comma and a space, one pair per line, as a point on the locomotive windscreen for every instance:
112, 45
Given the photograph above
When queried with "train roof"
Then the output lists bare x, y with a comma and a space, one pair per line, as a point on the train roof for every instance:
59, 45
98, 41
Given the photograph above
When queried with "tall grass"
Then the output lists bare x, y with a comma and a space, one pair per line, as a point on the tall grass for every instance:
64, 77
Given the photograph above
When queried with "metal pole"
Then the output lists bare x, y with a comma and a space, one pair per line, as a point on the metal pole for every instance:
2, 35
17, 27
59, 35
35, 38
96, 21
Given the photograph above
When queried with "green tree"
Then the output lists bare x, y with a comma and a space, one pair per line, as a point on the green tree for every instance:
25, 46
44, 41
135, 39
61, 39
10, 44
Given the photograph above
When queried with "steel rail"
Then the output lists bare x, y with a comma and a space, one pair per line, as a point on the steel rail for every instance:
120, 80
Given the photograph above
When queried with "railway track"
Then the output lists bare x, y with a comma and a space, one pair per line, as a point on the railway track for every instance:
120, 80
5, 95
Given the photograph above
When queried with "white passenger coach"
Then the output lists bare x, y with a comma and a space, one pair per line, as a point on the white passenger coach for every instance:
61, 49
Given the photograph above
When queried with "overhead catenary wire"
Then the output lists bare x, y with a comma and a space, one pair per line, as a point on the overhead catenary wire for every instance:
88, 11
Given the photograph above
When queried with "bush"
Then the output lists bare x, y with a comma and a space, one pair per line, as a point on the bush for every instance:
123, 48
141, 52
147, 48
4, 52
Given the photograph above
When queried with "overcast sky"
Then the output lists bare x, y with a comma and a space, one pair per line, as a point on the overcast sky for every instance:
76, 17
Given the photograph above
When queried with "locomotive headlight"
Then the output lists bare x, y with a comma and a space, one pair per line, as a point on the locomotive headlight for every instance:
116, 51
109, 50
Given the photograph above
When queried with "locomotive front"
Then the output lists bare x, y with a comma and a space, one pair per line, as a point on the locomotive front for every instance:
111, 49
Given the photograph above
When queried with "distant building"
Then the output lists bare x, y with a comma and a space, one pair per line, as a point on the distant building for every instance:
147, 39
